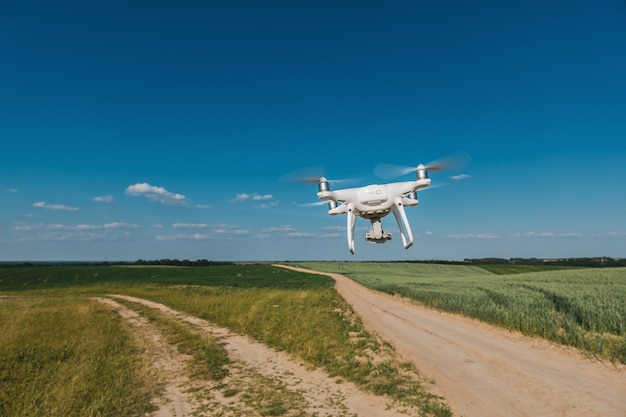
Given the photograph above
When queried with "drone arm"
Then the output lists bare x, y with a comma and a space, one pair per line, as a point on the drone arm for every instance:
403, 223
350, 226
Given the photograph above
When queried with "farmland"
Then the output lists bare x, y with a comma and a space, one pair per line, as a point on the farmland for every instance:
290, 311
58, 343
584, 308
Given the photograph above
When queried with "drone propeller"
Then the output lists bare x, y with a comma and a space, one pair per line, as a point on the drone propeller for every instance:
308, 175
390, 171
313, 175
452, 162
314, 204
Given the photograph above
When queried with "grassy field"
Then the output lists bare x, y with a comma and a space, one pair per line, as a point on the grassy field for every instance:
291, 311
83, 277
585, 308
57, 344
67, 356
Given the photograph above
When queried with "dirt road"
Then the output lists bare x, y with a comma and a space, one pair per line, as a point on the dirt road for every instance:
260, 377
484, 371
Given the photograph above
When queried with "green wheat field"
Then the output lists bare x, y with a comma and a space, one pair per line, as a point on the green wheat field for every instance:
580, 307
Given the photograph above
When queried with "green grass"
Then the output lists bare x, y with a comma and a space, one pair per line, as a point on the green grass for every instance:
209, 359
238, 276
316, 326
585, 308
508, 269
66, 356
291, 311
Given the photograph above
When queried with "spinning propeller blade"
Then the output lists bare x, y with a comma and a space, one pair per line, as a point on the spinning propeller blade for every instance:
316, 203
453, 162
308, 175
390, 171
312, 175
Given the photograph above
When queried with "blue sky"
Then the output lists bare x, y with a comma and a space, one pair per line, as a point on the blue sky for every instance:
147, 130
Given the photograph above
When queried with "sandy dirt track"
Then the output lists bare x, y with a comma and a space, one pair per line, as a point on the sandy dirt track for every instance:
255, 368
483, 371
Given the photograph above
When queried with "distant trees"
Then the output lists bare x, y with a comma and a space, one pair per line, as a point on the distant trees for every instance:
184, 262
595, 262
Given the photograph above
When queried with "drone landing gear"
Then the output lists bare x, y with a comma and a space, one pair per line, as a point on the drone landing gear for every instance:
376, 233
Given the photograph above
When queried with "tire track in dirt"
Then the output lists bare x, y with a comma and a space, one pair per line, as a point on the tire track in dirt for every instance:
168, 363
485, 371
254, 367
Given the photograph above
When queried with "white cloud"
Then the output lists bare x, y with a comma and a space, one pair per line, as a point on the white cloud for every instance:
610, 234
289, 231
547, 234
82, 236
226, 229
104, 199
84, 227
257, 197
118, 225
79, 232
300, 234
203, 206
181, 236
28, 227
158, 194
213, 231
474, 236
525, 235
278, 229
239, 198
230, 231
460, 177
44, 205
268, 205
13, 190
77, 227
190, 225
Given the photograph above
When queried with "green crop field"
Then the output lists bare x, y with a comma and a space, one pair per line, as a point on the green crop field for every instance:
57, 342
83, 277
585, 308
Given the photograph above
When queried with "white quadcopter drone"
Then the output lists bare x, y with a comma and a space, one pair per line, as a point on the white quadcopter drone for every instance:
375, 201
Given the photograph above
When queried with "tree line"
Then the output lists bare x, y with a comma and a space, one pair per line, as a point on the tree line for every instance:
184, 262
591, 262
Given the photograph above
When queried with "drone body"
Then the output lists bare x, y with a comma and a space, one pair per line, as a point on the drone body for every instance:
373, 202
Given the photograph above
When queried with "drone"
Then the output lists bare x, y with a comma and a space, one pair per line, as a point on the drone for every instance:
375, 201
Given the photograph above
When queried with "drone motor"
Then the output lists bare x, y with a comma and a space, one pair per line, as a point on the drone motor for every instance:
323, 186
421, 172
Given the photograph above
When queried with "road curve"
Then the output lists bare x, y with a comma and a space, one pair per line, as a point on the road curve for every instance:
486, 371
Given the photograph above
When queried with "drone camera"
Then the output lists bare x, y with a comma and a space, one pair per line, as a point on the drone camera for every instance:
376, 233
